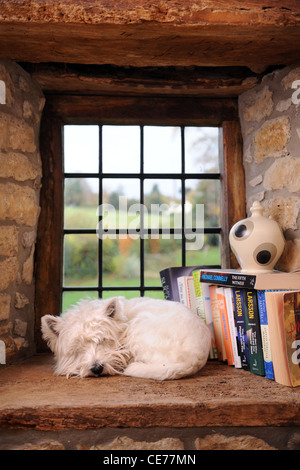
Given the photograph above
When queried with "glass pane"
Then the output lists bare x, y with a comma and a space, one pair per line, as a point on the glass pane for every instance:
209, 254
121, 149
121, 262
207, 193
162, 200
201, 150
154, 294
81, 149
72, 298
162, 149
80, 260
160, 253
121, 199
128, 294
81, 202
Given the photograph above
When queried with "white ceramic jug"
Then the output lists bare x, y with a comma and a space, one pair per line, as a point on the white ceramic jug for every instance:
257, 242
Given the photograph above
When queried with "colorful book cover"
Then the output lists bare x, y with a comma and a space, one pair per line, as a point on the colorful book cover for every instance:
239, 311
260, 281
253, 333
265, 335
229, 278
291, 305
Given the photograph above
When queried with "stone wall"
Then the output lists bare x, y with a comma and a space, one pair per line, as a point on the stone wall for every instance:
159, 439
21, 104
270, 121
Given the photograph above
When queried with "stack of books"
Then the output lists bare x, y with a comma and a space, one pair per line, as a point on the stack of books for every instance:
254, 319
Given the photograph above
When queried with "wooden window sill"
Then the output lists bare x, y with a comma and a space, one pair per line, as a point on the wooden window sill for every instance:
219, 395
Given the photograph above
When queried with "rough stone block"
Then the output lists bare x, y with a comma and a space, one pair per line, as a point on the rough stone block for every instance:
21, 300
20, 327
259, 105
283, 105
17, 166
283, 173
28, 238
221, 442
284, 210
8, 271
290, 259
18, 203
8, 240
27, 272
124, 442
6, 330
288, 80
41, 445
4, 306
27, 110
20, 342
24, 84
16, 134
271, 139
256, 181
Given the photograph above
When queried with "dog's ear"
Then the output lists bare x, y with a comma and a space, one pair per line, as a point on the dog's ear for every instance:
112, 308
50, 329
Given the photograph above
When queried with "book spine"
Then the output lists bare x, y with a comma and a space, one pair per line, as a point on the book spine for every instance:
239, 312
253, 333
182, 290
265, 335
225, 325
191, 296
232, 326
223, 278
199, 295
203, 309
217, 323
166, 284
209, 321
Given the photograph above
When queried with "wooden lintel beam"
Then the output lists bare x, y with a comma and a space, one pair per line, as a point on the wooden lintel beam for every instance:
157, 33
151, 45
174, 111
195, 81
172, 12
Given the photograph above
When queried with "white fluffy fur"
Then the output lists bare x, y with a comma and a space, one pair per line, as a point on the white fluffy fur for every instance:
140, 337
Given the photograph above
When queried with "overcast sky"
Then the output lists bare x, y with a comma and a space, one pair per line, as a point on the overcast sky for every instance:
121, 153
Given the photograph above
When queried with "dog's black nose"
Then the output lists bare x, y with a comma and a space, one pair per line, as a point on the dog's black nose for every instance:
97, 369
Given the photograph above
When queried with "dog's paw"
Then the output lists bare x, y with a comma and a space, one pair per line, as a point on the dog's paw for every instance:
135, 369
154, 371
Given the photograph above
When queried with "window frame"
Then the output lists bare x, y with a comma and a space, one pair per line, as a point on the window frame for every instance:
170, 110
141, 176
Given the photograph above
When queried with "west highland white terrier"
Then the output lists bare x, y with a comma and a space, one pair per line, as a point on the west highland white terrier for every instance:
140, 337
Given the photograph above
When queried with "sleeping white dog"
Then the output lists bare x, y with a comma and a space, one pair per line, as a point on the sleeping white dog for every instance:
140, 337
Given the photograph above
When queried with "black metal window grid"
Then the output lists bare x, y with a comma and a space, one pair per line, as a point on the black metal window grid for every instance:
101, 176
